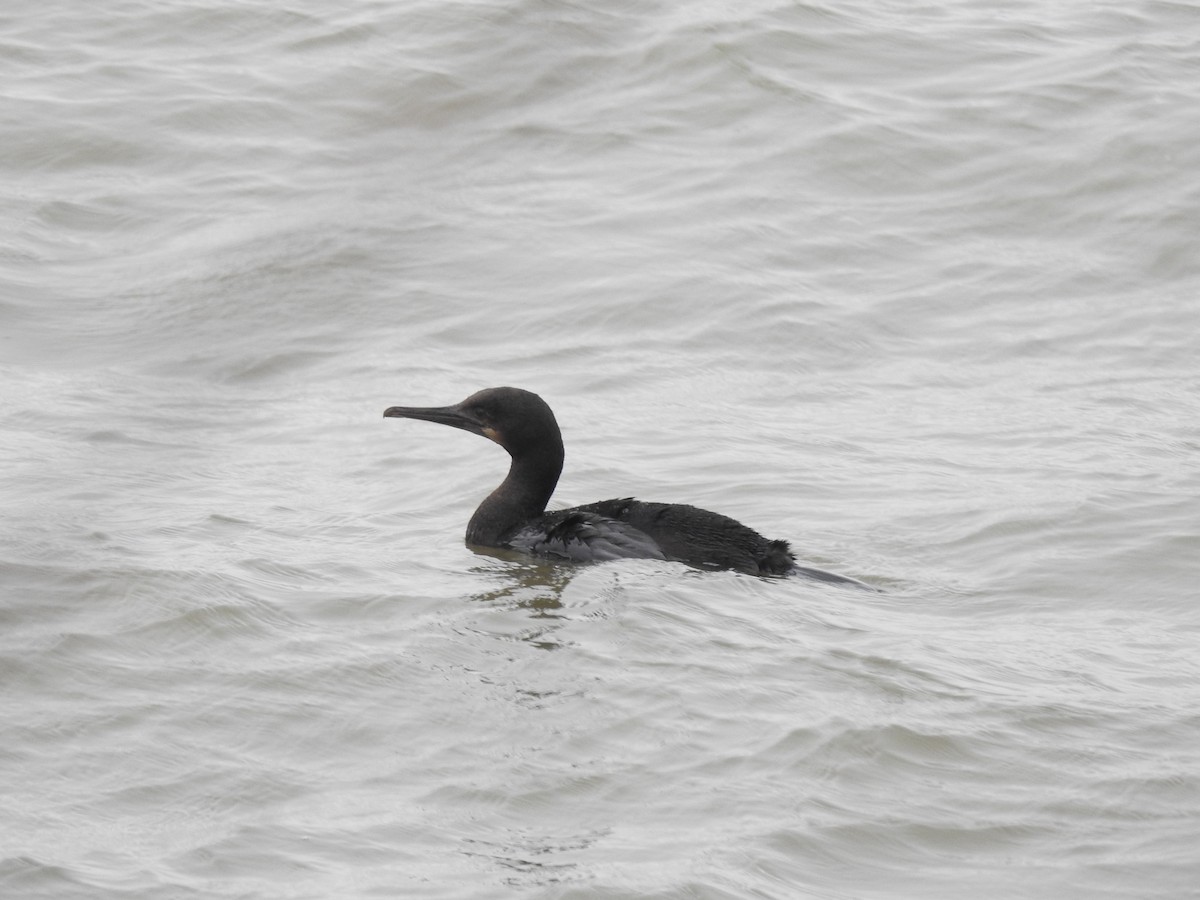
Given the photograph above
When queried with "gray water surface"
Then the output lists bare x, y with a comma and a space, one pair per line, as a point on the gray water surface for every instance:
912, 287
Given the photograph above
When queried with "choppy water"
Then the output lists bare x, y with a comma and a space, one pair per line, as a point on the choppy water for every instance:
912, 286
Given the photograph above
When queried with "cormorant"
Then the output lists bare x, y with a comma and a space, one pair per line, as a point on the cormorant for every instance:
515, 516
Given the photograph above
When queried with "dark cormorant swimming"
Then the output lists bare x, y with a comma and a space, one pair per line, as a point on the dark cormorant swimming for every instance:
515, 516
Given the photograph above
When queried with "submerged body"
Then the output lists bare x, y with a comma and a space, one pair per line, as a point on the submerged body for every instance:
515, 516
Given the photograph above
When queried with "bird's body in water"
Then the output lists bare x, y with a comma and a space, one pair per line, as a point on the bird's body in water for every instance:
515, 516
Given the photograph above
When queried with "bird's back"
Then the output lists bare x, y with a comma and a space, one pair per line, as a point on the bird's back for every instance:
698, 537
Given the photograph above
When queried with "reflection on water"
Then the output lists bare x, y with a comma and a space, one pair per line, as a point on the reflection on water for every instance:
534, 860
533, 587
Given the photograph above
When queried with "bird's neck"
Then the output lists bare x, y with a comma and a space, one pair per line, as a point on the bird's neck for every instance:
522, 496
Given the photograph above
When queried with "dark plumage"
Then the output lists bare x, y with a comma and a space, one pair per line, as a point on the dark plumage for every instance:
514, 515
